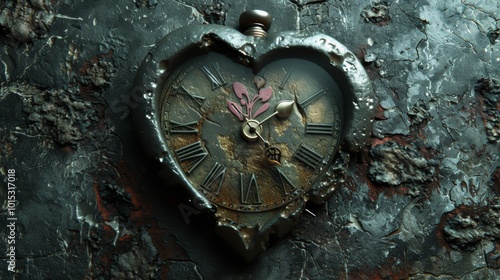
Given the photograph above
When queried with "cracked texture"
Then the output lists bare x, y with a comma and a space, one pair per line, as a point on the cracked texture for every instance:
60, 115
490, 91
25, 21
377, 13
395, 164
100, 211
97, 74
466, 229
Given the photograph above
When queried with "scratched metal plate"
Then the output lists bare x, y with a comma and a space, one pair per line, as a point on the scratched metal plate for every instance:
420, 202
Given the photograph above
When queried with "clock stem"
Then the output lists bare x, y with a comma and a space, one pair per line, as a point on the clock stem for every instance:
266, 143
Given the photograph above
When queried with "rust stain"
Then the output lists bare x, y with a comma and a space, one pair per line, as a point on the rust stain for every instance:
126, 238
379, 114
143, 215
462, 210
479, 109
227, 143
439, 231
105, 213
420, 134
400, 139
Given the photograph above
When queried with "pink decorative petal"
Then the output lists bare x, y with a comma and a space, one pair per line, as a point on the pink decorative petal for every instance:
235, 109
266, 93
240, 90
261, 110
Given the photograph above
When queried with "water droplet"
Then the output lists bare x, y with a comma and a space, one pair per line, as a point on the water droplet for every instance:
279, 39
370, 41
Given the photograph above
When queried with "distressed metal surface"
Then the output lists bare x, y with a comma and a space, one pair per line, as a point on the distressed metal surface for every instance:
171, 85
89, 206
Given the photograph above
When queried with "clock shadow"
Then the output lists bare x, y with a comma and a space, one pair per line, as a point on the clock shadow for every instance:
188, 234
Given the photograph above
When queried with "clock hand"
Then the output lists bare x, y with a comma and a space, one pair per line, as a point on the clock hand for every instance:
251, 128
266, 143
271, 153
283, 110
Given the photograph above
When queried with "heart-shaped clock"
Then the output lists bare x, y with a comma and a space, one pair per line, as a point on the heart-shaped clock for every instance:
250, 124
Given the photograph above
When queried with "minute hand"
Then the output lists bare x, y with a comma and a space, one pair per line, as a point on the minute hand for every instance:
283, 110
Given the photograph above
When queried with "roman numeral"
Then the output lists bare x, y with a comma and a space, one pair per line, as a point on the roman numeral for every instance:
319, 128
249, 194
287, 186
213, 74
308, 156
198, 99
312, 98
285, 80
177, 127
193, 154
215, 176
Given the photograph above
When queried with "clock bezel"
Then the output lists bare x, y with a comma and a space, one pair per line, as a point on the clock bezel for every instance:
249, 233
359, 99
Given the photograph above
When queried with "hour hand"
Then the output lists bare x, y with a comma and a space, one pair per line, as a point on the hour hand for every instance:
283, 110
272, 153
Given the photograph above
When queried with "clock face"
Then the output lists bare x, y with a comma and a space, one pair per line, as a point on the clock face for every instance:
251, 141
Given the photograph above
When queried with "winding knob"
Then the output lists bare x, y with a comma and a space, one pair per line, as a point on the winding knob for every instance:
255, 22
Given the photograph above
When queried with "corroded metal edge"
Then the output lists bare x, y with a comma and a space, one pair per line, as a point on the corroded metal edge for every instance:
359, 105
249, 241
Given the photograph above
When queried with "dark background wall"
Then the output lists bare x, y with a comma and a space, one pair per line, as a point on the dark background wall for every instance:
421, 201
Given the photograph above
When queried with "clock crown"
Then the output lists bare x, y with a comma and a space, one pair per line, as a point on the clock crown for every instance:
255, 22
